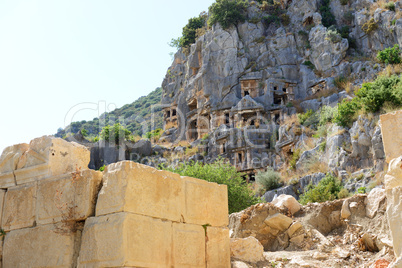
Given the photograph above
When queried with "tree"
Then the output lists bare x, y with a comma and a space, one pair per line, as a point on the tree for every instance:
228, 12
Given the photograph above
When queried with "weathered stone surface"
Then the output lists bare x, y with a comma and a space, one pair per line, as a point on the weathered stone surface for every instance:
41, 246
125, 239
391, 129
140, 189
394, 213
19, 207
294, 228
393, 178
287, 201
239, 264
136, 188
71, 196
247, 249
278, 221
217, 247
188, 245
205, 202
374, 198
2, 196
8, 163
345, 212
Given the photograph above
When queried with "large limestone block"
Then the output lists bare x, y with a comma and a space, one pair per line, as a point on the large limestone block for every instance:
132, 187
394, 215
218, 247
206, 202
391, 129
19, 207
278, 221
188, 245
287, 201
374, 198
68, 197
41, 246
247, 249
126, 240
48, 157
8, 163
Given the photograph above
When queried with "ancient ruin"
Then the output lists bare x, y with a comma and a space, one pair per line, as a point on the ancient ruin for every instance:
55, 212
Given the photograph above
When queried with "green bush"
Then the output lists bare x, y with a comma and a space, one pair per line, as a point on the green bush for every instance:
189, 33
361, 190
295, 158
347, 110
156, 133
344, 31
344, 2
227, 12
327, 114
328, 18
269, 179
384, 89
369, 26
240, 196
326, 190
390, 6
391, 55
348, 17
309, 64
304, 116
115, 133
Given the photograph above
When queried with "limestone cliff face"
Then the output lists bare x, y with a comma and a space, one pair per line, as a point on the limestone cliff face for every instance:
267, 67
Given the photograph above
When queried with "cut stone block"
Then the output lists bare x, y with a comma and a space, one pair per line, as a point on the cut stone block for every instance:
391, 129
8, 163
19, 207
41, 246
206, 202
188, 245
126, 240
218, 247
394, 213
278, 221
2, 197
132, 187
68, 197
49, 157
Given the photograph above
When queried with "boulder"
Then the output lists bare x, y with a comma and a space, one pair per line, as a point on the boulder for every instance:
278, 221
374, 198
391, 128
345, 212
247, 249
287, 201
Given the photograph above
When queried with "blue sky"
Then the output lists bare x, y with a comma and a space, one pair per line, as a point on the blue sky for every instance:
57, 54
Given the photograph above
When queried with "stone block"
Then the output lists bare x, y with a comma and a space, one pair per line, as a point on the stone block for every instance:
278, 221
132, 187
247, 249
218, 247
19, 207
41, 246
394, 215
126, 240
391, 129
43, 158
205, 202
68, 197
2, 197
8, 162
188, 245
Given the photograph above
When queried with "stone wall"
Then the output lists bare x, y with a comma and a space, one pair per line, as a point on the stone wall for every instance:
391, 128
57, 213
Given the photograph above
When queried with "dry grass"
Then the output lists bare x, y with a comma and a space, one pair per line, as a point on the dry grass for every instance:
191, 151
183, 144
170, 125
296, 104
391, 70
322, 94
291, 120
314, 166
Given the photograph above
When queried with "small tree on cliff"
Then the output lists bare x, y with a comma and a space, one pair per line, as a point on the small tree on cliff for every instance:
227, 12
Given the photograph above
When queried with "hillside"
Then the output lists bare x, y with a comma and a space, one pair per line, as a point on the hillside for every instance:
133, 114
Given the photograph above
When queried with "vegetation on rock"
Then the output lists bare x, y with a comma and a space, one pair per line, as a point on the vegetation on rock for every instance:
269, 179
240, 196
391, 55
189, 33
227, 12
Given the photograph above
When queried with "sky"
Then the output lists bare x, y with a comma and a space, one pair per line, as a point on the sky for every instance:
71, 60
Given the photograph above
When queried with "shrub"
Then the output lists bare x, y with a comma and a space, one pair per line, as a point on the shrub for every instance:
227, 12
326, 190
344, 2
154, 134
295, 158
390, 6
391, 55
328, 18
189, 33
269, 179
333, 35
309, 64
344, 31
384, 89
115, 133
369, 26
361, 190
348, 17
347, 110
240, 196
327, 114
343, 193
